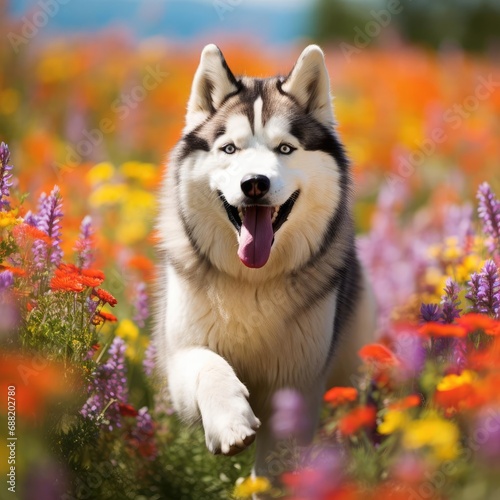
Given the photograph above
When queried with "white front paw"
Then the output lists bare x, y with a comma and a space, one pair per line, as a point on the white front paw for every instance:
228, 420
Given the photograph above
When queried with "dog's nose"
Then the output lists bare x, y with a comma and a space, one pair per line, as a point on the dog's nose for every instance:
255, 186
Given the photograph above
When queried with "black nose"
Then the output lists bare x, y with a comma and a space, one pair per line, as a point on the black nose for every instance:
255, 186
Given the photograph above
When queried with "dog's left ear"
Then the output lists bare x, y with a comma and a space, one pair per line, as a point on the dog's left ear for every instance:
212, 82
308, 82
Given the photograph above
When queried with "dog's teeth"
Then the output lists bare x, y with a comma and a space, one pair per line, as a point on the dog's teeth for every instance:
240, 213
275, 214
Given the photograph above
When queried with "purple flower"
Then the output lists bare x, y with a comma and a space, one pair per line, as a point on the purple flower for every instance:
149, 359
142, 435
5, 176
472, 294
48, 220
31, 219
84, 244
141, 304
289, 419
109, 384
6, 280
410, 350
450, 302
430, 312
489, 213
459, 353
488, 291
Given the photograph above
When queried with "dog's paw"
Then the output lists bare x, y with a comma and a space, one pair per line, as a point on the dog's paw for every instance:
231, 425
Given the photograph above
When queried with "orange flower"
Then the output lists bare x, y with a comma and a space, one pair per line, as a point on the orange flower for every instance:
66, 284
23, 232
340, 395
363, 416
105, 297
472, 322
433, 329
378, 354
106, 316
93, 273
410, 401
143, 265
17, 271
89, 282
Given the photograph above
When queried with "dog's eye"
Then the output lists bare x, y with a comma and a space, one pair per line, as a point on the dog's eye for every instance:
229, 149
285, 149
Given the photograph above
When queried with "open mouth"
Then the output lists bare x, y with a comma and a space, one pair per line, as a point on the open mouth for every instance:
256, 225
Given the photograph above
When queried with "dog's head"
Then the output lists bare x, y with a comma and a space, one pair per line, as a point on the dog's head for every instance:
261, 171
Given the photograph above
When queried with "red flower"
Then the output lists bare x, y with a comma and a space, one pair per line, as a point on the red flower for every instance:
433, 329
127, 410
89, 281
17, 271
340, 395
363, 416
66, 284
378, 354
472, 322
105, 297
93, 273
106, 316
410, 401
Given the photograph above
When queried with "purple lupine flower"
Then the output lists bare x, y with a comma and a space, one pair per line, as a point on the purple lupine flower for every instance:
141, 305
430, 312
142, 435
149, 362
289, 419
488, 293
6, 280
109, 383
450, 302
48, 220
84, 244
31, 219
473, 289
489, 212
5, 176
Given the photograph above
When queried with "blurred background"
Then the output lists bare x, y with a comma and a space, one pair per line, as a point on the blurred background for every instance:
93, 95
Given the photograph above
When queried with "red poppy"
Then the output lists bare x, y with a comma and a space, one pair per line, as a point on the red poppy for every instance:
433, 329
363, 416
105, 297
340, 395
378, 354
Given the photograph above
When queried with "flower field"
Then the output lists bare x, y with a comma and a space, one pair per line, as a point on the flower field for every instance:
85, 134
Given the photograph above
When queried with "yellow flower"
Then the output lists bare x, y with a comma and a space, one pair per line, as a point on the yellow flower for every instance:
394, 420
131, 231
127, 330
100, 173
453, 381
108, 195
434, 432
251, 485
8, 219
451, 250
142, 172
138, 199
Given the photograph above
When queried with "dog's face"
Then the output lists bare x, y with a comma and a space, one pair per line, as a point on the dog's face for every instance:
261, 168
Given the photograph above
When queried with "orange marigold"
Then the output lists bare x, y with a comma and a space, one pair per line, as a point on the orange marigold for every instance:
65, 284
93, 273
433, 329
105, 297
378, 354
340, 395
363, 416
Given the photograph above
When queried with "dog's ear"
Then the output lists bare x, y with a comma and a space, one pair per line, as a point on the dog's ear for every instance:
212, 82
309, 84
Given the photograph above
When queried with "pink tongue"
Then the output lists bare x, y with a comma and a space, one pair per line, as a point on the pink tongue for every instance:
256, 236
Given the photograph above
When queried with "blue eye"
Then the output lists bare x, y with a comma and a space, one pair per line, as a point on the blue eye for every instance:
229, 149
285, 149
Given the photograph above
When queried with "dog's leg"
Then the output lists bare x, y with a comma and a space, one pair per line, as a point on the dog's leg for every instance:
203, 384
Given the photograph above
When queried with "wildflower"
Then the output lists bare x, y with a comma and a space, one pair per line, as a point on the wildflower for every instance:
472, 322
289, 417
142, 435
489, 213
143, 265
488, 293
394, 420
432, 431
9, 219
127, 330
106, 316
84, 244
340, 395
108, 388
127, 410
250, 486
450, 302
141, 304
105, 297
6, 280
5, 176
49, 218
100, 173
430, 312
442, 330
362, 416
377, 354
473, 290
149, 362
408, 402
453, 381
60, 283
26, 234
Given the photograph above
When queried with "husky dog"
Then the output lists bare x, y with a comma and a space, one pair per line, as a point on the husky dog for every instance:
260, 287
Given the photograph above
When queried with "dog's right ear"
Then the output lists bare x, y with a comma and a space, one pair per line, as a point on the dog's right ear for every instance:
212, 82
